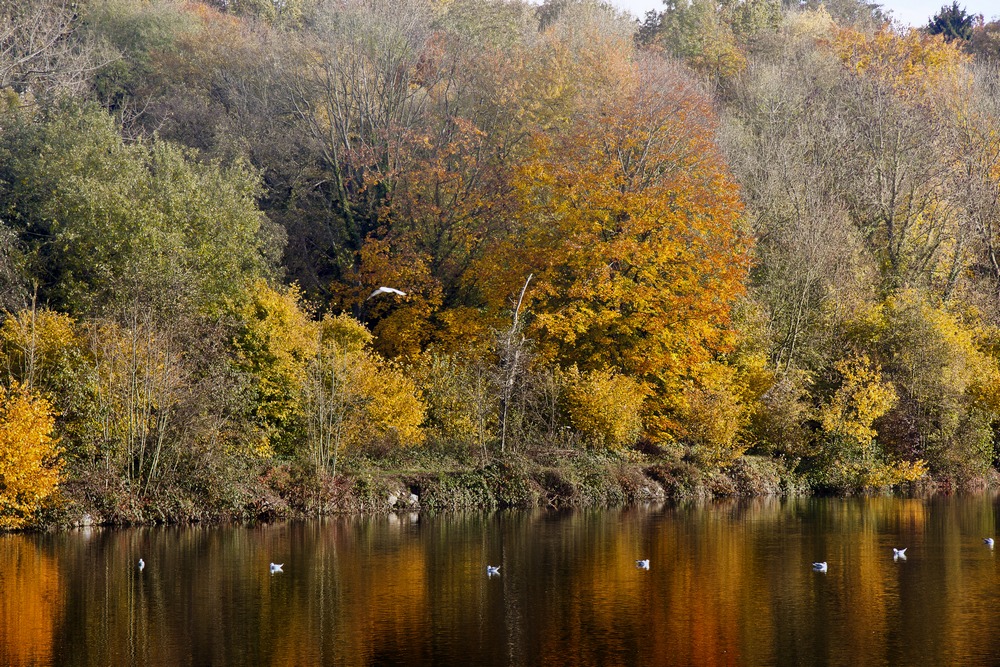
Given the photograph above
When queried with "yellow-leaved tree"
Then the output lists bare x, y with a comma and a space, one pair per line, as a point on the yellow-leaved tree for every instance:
276, 342
912, 62
712, 413
849, 436
35, 344
319, 388
940, 361
352, 397
29, 456
605, 407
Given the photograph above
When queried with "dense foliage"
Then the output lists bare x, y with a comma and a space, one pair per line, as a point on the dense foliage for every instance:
735, 229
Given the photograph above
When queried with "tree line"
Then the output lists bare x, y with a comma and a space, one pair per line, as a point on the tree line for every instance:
734, 228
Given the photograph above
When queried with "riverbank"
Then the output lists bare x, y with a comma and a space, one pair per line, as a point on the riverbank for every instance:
426, 481
568, 479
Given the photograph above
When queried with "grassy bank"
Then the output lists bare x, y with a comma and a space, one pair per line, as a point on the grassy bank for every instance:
427, 482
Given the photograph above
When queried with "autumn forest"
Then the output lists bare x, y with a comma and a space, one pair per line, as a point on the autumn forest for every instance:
735, 247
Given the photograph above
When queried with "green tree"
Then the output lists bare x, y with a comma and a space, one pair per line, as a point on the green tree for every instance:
138, 31
108, 222
698, 33
952, 23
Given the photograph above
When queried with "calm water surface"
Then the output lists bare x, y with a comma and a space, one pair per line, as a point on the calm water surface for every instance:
730, 583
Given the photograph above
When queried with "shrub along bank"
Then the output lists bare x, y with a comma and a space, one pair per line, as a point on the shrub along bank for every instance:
429, 483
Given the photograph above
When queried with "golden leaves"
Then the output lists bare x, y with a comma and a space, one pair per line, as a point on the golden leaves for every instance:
321, 379
33, 342
29, 463
274, 346
909, 62
631, 215
373, 400
605, 407
862, 398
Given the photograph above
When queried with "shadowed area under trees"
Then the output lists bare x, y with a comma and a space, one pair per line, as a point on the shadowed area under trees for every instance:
761, 240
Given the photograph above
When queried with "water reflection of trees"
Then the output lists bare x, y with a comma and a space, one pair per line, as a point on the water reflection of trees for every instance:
730, 583
29, 602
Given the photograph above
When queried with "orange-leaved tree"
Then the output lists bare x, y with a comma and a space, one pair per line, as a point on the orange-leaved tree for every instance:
630, 220
451, 183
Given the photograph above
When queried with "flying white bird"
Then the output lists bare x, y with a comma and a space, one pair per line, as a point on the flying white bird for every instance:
642, 564
141, 564
898, 554
492, 570
275, 567
820, 567
988, 541
386, 290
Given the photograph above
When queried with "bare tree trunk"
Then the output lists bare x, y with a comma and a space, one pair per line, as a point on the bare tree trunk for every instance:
511, 360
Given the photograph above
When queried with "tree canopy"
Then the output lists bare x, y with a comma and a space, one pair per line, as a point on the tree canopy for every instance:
760, 228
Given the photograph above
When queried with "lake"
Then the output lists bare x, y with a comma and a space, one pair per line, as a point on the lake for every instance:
729, 583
